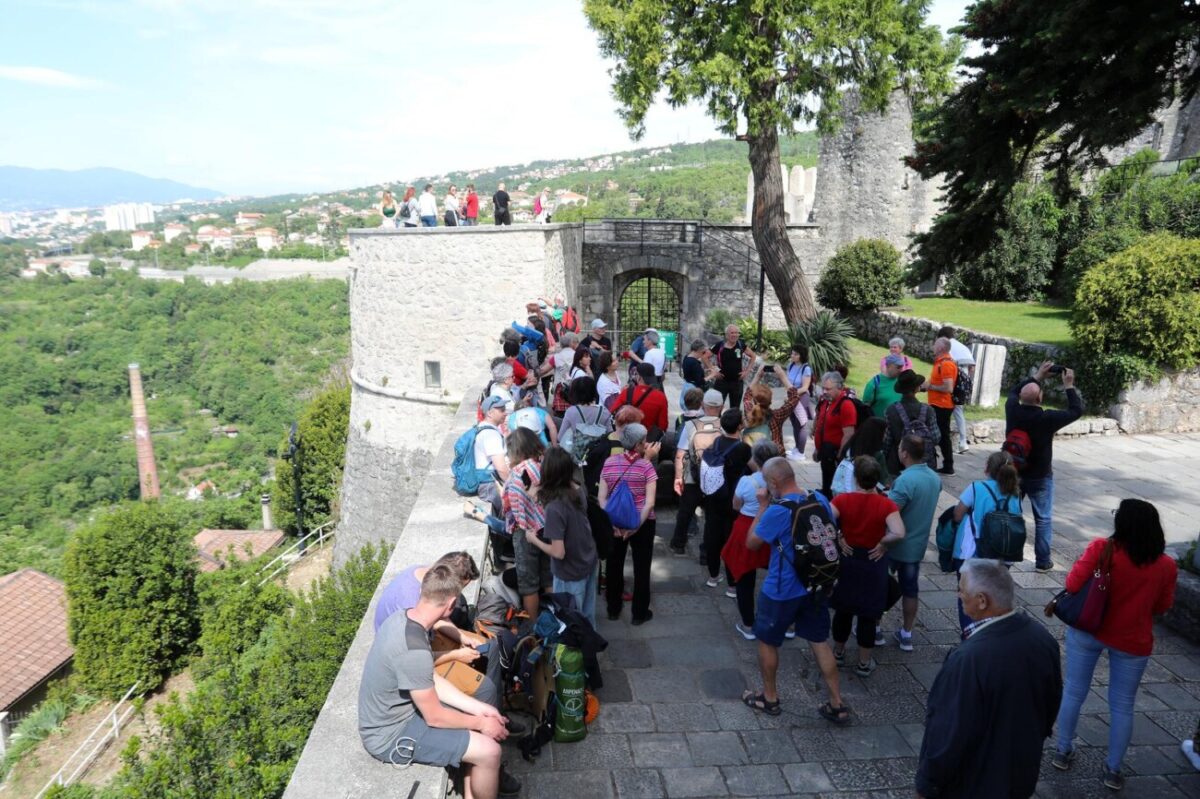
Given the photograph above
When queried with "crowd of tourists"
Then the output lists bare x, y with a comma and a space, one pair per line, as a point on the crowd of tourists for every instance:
422, 210
575, 436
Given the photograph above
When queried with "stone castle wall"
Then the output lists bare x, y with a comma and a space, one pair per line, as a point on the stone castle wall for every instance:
1168, 405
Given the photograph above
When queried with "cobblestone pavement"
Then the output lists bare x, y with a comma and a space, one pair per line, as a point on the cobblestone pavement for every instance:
672, 724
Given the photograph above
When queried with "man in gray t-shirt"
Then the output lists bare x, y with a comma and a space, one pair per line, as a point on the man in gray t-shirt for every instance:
407, 714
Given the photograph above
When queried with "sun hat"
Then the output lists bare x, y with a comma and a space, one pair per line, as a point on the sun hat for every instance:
713, 398
492, 402
598, 324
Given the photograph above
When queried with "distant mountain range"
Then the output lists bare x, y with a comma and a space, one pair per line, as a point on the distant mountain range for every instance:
24, 189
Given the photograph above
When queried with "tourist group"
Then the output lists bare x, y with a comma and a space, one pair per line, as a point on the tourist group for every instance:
421, 210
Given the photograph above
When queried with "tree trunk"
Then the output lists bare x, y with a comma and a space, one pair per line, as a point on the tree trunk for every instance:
769, 228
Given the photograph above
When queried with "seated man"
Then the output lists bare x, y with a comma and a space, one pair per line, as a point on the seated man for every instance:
408, 714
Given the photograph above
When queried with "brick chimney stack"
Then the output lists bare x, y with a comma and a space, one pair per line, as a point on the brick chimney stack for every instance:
147, 472
268, 522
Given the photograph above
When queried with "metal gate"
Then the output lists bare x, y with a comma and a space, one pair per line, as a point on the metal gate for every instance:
646, 302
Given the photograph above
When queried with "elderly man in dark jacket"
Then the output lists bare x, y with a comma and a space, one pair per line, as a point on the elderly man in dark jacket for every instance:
994, 702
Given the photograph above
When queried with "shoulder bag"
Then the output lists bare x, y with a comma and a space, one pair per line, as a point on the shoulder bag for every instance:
1084, 609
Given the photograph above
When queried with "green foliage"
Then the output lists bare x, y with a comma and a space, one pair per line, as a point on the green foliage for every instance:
774, 345
45, 720
322, 429
79, 790
1030, 94
827, 337
130, 579
1101, 376
246, 351
1144, 301
861, 276
1095, 247
1170, 203
242, 729
716, 320
235, 611
13, 257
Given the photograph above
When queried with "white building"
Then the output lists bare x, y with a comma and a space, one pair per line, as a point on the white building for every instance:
6, 226
127, 216
248, 218
174, 230
141, 239
267, 238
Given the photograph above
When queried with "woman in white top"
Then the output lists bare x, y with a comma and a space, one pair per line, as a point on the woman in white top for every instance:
388, 210
451, 204
609, 382
582, 364
414, 208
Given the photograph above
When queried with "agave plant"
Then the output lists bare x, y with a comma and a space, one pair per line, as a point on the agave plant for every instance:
826, 336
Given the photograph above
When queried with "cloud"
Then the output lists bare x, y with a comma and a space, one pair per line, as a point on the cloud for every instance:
303, 56
44, 76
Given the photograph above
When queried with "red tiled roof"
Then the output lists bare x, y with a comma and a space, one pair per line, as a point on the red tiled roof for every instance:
214, 545
33, 632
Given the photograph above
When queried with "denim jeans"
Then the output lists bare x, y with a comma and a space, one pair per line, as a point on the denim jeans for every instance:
1124, 676
960, 424
429, 221
584, 592
1040, 491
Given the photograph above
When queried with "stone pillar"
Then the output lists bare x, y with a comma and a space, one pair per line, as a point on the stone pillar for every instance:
989, 374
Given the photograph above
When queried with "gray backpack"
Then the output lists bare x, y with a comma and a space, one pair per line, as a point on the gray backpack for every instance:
583, 435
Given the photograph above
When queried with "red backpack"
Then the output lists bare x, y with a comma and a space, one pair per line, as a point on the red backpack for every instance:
570, 320
1019, 446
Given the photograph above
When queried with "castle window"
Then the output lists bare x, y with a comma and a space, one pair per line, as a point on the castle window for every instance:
433, 374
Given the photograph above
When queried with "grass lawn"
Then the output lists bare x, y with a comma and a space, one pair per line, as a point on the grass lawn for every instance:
1043, 324
864, 364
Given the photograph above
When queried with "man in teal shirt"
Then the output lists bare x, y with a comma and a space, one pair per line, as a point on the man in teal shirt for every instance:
916, 493
880, 391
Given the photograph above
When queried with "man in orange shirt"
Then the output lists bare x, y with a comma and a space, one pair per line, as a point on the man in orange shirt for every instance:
940, 386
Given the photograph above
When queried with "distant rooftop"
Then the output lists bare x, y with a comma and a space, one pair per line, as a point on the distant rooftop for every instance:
33, 632
214, 545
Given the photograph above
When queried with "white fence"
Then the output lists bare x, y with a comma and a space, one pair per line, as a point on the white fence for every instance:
107, 730
315, 539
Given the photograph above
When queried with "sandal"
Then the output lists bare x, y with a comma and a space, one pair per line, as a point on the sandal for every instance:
838, 715
759, 702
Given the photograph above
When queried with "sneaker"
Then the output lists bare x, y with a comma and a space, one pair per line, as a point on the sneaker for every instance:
1189, 751
713, 582
904, 640
946, 471
678, 551
731, 593
789, 633
865, 669
879, 639
964, 448
515, 728
839, 657
1043, 568
747, 634
1063, 760
1112, 779
509, 785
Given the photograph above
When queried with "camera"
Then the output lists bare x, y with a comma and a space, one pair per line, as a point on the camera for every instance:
1057, 369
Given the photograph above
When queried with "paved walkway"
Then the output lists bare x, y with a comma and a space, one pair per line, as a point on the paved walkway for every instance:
672, 723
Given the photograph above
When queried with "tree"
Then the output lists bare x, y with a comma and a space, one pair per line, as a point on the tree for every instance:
1054, 86
322, 429
767, 64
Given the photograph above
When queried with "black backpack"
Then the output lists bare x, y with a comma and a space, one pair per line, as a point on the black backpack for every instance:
862, 410
1002, 532
921, 427
813, 543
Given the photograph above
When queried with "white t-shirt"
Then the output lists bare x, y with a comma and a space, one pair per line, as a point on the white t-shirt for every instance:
488, 444
427, 203
562, 361
656, 357
961, 353
451, 203
504, 394
607, 386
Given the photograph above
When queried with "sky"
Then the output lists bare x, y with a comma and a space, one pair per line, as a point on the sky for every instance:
270, 96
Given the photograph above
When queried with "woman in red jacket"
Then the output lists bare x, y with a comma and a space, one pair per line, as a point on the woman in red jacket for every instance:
1142, 586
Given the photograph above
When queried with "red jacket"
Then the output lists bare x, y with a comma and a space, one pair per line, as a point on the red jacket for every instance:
1136, 595
472, 211
654, 406
832, 416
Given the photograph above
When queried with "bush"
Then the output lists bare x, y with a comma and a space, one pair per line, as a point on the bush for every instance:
1144, 301
862, 276
716, 320
1097, 246
322, 429
236, 609
826, 336
130, 579
775, 343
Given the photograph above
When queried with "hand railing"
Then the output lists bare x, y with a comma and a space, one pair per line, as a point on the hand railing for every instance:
111, 726
290, 555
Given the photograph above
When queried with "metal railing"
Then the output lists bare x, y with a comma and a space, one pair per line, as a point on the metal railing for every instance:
111, 726
644, 232
298, 549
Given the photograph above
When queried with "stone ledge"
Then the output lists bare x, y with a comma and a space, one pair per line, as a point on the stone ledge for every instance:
991, 431
442, 230
334, 762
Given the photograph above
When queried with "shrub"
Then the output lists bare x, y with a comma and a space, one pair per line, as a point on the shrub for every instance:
45, 720
774, 342
322, 429
826, 336
236, 609
130, 579
862, 276
1097, 246
716, 320
1144, 301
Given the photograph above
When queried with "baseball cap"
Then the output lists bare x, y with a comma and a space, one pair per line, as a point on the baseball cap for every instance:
894, 360
542, 304
713, 398
650, 330
492, 402
598, 324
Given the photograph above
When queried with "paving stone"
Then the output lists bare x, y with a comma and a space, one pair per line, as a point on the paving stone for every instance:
1184, 666
754, 780
1148, 760
1179, 725
814, 745
709, 651
691, 625
770, 746
898, 772
807, 777
854, 776
683, 604
609, 751
1175, 697
871, 743
894, 710
661, 750
913, 735
939, 599
684, 717
628, 654
1151, 788
716, 749
624, 717
1188, 783
701, 781
639, 783
616, 687
925, 673
735, 716
662, 684
721, 684
1146, 731
575, 784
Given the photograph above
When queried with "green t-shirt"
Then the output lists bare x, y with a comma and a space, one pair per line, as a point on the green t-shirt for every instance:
880, 392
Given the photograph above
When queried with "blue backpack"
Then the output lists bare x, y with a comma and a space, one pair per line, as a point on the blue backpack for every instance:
467, 477
621, 509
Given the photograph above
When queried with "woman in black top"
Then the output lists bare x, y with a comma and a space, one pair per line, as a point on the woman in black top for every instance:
695, 369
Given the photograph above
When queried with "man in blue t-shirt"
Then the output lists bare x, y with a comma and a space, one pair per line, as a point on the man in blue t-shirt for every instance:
783, 600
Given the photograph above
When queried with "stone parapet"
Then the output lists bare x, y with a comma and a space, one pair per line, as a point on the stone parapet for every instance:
991, 431
1168, 405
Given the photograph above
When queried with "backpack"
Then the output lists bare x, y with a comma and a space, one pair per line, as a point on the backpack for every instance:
537, 205
813, 542
621, 507
582, 436
1002, 532
570, 320
405, 211
1019, 446
921, 427
712, 468
862, 410
704, 433
961, 393
944, 538
615, 403
467, 478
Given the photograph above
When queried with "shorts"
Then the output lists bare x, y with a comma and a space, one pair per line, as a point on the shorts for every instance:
432, 746
907, 574
772, 617
533, 566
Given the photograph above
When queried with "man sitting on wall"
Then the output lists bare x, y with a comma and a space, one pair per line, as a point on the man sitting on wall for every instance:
408, 714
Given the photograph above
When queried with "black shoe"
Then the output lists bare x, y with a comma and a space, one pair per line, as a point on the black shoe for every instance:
515, 728
677, 549
509, 785
638, 622
614, 616
946, 470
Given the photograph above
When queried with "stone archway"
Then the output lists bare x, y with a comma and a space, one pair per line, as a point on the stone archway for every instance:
647, 300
